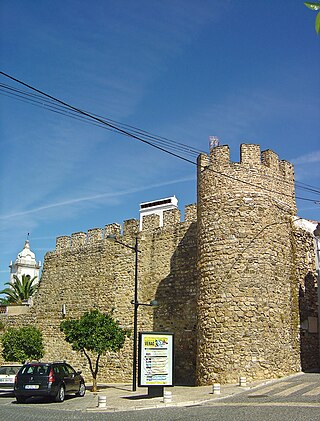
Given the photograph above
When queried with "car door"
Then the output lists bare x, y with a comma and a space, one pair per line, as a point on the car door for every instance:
70, 379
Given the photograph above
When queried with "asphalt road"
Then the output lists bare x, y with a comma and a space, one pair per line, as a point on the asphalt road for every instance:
295, 399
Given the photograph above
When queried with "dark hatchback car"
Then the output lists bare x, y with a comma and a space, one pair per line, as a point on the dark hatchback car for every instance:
52, 380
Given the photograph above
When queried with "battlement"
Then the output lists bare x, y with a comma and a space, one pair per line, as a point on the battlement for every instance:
250, 157
96, 236
258, 175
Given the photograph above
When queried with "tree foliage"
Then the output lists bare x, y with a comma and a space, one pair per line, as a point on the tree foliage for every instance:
22, 344
315, 6
94, 333
19, 290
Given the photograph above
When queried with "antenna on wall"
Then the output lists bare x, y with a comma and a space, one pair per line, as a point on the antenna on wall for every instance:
213, 142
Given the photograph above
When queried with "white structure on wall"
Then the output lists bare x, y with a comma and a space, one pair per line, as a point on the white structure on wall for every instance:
25, 264
157, 207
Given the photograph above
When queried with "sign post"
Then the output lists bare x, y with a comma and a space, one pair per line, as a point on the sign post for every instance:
156, 361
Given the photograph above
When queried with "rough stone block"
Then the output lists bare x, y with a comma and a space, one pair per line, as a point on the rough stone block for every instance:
114, 229
94, 235
78, 239
250, 154
131, 227
171, 217
270, 159
190, 213
63, 243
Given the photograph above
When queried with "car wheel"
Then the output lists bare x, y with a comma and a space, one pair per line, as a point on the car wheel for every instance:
82, 390
60, 394
21, 399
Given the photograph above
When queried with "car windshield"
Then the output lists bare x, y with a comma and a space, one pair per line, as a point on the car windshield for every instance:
9, 370
36, 369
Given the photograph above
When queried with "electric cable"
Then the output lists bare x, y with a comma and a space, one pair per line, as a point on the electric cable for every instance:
137, 136
51, 105
236, 260
42, 102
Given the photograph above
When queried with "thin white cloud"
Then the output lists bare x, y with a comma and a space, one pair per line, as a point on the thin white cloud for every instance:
92, 198
309, 158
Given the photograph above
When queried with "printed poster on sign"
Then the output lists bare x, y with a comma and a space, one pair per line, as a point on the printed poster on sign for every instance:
155, 359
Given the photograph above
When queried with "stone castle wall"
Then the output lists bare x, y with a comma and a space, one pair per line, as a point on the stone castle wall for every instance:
232, 280
88, 271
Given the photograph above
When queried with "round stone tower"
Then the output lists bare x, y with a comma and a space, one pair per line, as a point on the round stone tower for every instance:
248, 294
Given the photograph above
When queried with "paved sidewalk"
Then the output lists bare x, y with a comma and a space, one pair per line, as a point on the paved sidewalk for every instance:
119, 397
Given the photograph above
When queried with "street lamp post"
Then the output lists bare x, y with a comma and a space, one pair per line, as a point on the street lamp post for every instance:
136, 305
135, 318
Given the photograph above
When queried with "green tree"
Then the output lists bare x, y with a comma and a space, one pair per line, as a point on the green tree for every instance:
22, 344
94, 333
315, 6
19, 290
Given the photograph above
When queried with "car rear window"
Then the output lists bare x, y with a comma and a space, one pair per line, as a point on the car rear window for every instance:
36, 370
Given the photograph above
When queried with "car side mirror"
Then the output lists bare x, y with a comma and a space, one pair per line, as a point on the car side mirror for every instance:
79, 372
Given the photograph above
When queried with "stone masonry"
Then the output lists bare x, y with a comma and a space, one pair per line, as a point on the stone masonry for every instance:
234, 280
247, 290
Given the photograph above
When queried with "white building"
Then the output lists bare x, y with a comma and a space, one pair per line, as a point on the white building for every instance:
157, 207
25, 264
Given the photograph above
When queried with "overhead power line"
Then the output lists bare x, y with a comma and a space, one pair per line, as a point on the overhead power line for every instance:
171, 147
98, 119
51, 105
48, 104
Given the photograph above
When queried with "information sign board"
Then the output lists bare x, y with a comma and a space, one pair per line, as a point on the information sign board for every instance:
156, 359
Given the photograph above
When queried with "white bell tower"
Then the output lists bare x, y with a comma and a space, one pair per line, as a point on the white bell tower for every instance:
25, 264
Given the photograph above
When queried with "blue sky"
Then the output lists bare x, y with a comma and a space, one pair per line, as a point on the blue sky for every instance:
245, 71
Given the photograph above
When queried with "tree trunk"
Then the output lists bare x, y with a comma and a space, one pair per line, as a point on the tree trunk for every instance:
94, 371
94, 384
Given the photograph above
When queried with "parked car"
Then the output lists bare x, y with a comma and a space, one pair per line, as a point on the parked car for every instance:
53, 380
7, 375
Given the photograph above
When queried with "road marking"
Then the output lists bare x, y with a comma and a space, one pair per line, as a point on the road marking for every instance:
313, 392
265, 404
293, 389
271, 388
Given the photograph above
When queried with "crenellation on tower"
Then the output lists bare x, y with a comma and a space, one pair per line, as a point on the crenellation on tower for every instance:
250, 154
263, 175
270, 159
220, 155
287, 170
203, 162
